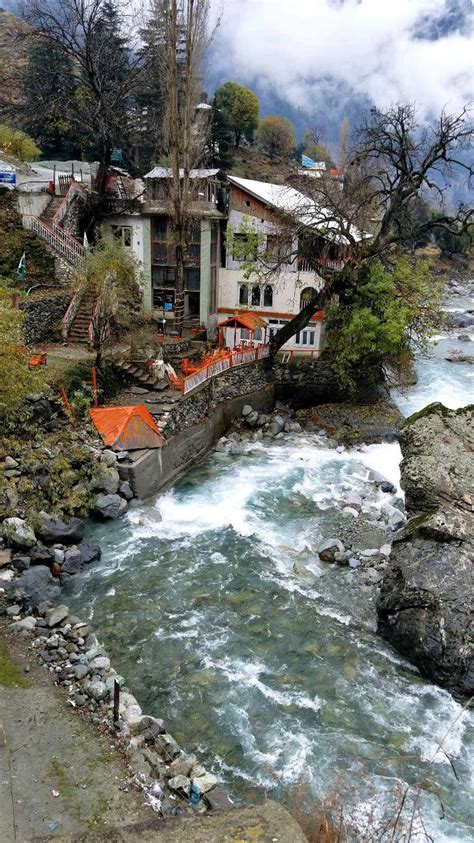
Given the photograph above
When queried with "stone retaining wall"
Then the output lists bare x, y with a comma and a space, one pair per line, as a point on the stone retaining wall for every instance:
149, 472
308, 382
42, 316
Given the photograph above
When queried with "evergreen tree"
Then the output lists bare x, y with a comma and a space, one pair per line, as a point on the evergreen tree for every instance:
48, 87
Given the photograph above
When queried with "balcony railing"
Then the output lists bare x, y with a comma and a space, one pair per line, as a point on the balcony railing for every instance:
56, 237
305, 265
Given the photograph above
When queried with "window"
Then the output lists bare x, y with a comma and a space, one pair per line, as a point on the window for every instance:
244, 294
123, 233
244, 334
307, 295
240, 247
268, 296
213, 291
163, 299
273, 248
192, 279
257, 334
256, 296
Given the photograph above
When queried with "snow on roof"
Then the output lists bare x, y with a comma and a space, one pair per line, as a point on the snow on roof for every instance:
293, 202
167, 172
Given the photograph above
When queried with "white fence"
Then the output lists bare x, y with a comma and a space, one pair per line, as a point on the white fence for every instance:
56, 237
235, 358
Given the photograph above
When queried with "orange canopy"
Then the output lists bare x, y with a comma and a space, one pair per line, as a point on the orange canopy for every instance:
127, 428
248, 319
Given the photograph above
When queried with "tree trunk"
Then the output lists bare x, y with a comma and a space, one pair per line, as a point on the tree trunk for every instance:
302, 318
179, 298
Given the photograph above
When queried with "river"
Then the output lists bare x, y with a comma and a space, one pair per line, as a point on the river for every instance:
276, 679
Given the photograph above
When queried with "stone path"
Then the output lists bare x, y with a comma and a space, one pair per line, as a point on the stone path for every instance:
47, 749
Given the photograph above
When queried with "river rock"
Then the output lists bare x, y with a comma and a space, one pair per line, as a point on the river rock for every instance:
28, 623
109, 506
96, 689
106, 479
125, 490
205, 783
108, 458
428, 587
246, 410
21, 563
52, 530
72, 561
180, 783
5, 557
89, 551
328, 549
182, 765
55, 615
37, 585
17, 532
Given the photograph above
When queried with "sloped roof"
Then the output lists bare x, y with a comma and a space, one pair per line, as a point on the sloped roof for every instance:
127, 428
291, 201
167, 173
248, 319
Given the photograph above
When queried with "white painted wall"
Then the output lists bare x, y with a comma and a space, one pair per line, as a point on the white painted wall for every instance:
287, 288
237, 219
32, 203
135, 222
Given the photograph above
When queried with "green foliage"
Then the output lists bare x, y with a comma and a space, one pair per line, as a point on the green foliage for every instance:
48, 85
246, 246
276, 136
81, 401
317, 151
14, 240
18, 144
16, 378
453, 244
383, 316
109, 276
238, 108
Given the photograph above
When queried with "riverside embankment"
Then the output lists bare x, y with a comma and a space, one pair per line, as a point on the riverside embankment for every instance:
225, 623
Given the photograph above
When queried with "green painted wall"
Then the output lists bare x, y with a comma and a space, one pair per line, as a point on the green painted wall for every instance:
147, 294
204, 299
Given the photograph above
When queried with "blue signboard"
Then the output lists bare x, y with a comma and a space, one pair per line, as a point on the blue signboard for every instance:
7, 173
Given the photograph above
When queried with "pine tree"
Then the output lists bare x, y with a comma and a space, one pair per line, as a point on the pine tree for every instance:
48, 87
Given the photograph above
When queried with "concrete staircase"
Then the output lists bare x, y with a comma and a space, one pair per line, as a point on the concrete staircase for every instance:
79, 330
50, 210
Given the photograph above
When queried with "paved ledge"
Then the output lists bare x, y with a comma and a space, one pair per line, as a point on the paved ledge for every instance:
265, 823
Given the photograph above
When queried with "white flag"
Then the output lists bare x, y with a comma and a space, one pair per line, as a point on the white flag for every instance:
21, 271
85, 241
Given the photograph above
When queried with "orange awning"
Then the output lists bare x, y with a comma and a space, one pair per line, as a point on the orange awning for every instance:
127, 428
248, 319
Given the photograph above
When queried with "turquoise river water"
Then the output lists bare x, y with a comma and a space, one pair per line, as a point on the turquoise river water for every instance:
274, 679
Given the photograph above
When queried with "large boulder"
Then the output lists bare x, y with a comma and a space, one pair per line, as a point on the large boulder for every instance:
106, 479
18, 532
36, 585
51, 530
437, 446
109, 506
428, 590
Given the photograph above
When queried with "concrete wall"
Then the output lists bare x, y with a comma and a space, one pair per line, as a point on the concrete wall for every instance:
153, 471
32, 203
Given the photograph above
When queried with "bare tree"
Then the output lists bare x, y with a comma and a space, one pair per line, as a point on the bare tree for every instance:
394, 163
90, 33
182, 38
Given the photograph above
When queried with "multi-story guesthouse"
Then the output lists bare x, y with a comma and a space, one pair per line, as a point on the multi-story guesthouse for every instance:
218, 292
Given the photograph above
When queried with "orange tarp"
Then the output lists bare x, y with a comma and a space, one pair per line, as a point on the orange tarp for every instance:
246, 319
127, 428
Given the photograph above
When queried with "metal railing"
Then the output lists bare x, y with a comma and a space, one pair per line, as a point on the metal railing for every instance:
235, 358
73, 190
59, 239
305, 265
68, 317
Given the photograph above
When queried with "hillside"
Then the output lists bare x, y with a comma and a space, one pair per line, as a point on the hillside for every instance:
251, 163
13, 52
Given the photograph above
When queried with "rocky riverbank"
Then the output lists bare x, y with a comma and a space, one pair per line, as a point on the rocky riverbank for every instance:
427, 593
